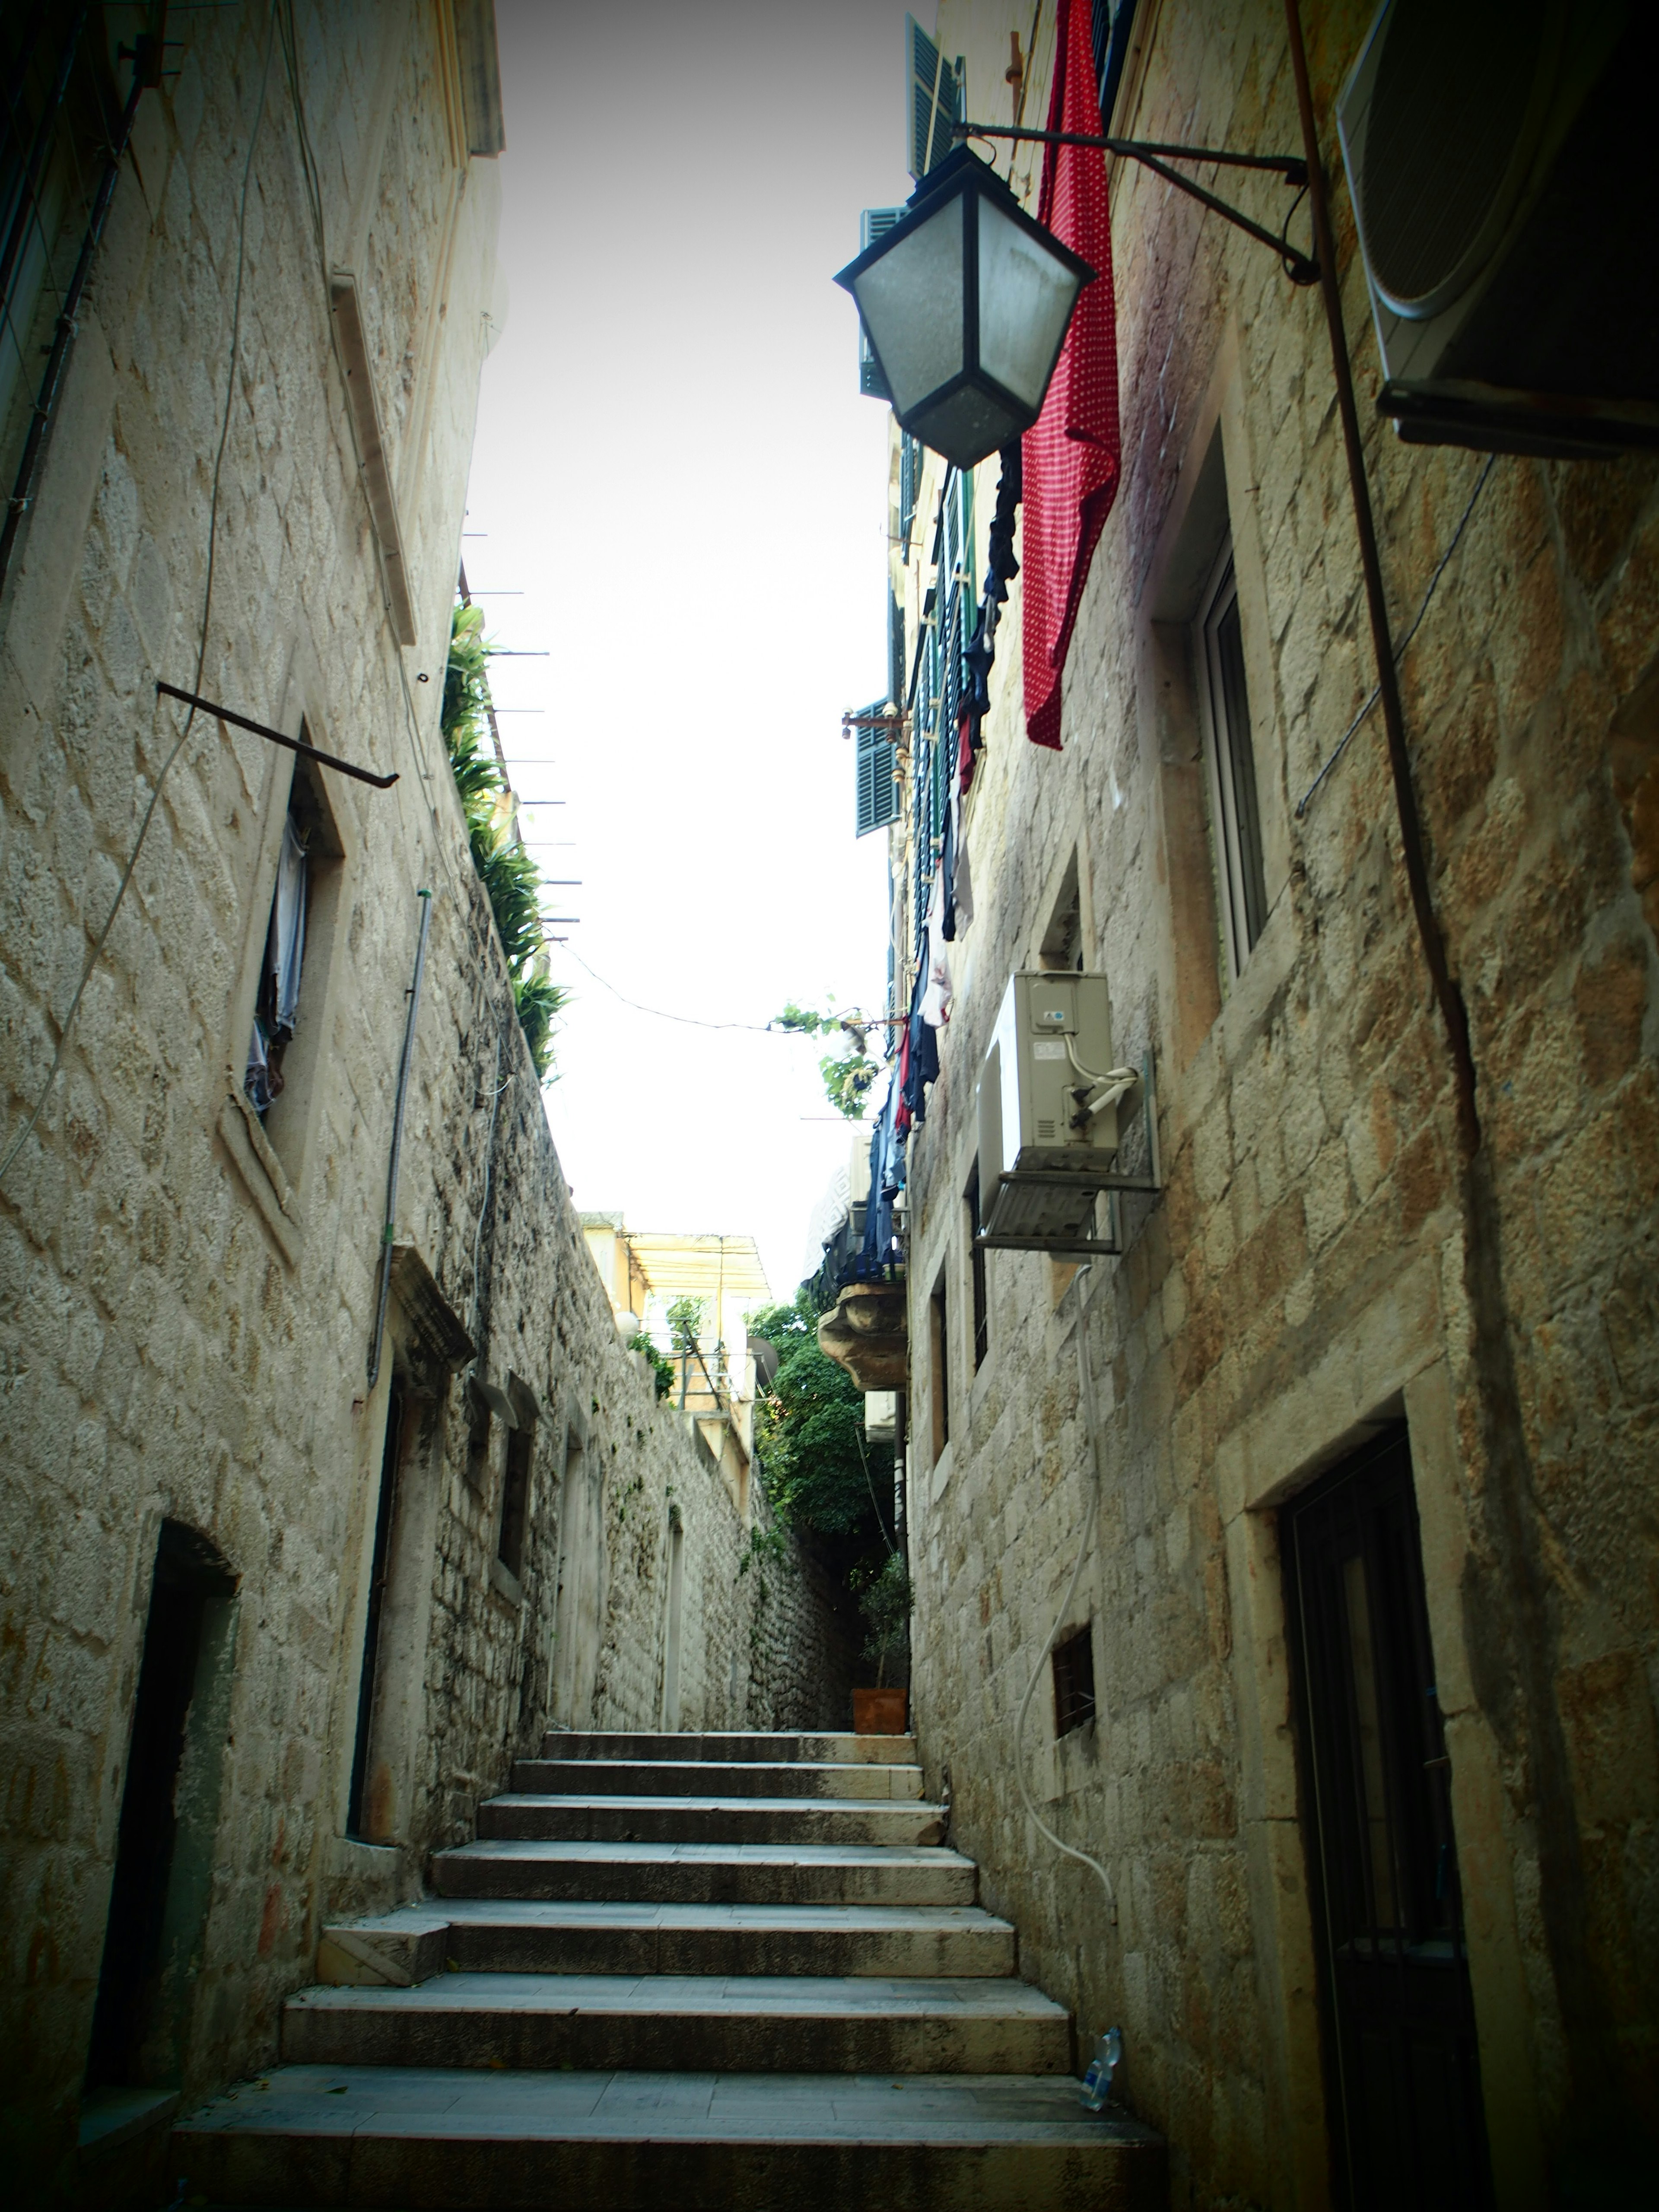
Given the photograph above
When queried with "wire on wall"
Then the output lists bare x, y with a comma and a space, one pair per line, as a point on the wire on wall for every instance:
102, 939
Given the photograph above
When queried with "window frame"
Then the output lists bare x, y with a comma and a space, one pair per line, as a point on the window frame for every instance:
1231, 780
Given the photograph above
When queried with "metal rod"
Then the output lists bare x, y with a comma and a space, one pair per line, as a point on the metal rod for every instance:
1291, 166
1448, 996
276, 737
1298, 267
405, 1065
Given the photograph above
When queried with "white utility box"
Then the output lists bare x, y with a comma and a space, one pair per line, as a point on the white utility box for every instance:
1043, 1154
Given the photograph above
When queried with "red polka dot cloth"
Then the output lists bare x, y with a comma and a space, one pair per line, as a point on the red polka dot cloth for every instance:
1073, 453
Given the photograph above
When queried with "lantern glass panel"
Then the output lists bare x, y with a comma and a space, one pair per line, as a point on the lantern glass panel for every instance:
1025, 296
911, 302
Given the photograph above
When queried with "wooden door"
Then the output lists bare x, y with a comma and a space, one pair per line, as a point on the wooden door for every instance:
1407, 2126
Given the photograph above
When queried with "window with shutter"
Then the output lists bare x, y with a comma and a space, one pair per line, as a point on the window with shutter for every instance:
877, 785
934, 97
909, 487
874, 223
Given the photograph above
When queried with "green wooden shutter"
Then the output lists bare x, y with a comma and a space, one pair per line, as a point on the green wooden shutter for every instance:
877, 785
874, 223
933, 99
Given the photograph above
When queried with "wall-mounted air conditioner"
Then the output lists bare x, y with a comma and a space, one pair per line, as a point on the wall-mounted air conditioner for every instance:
1499, 158
1049, 1099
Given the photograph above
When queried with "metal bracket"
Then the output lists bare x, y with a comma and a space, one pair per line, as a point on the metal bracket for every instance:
1093, 1179
1154, 155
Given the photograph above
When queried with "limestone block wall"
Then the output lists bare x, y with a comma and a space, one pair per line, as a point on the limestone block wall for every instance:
188, 1299
1302, 1277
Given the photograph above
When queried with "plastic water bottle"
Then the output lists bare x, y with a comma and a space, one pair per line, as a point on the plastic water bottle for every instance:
1097, 2090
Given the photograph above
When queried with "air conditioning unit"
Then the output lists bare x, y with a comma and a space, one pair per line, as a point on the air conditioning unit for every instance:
1049, 1098
1499, 158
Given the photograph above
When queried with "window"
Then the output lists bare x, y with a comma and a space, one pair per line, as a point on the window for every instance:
1074, 1681
515, 1498
1235, 817
976, 1256
283, 1051
1063, 941
276, 1005
939, 1344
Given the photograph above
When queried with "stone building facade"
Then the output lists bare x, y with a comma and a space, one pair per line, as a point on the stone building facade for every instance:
1323, 1303
327, 1482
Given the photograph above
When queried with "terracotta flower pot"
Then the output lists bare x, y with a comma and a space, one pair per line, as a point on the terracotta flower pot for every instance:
879, 1712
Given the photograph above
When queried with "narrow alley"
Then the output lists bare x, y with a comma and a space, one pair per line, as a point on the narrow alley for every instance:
829, 1106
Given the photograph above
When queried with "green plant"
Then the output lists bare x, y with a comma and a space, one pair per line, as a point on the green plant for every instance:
662, 1370
511, 879
808, 1429
885, 1597
847, 1076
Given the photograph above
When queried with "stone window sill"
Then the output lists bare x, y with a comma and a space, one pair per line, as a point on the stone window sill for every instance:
256, 1161
505, 1584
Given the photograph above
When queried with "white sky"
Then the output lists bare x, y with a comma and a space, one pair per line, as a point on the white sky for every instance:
675, 469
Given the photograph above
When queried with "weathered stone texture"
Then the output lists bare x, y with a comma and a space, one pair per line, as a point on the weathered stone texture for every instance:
187, 1302
1303, 1272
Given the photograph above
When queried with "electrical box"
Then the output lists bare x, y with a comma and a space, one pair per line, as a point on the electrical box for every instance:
1501, 166
1042, 1154
1053, 1038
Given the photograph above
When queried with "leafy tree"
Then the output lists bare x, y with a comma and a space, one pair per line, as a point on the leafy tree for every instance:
686, 1316
820, 1474
847, 1076
511, 878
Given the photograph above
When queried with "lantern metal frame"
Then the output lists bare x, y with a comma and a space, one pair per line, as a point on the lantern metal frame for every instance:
964, 175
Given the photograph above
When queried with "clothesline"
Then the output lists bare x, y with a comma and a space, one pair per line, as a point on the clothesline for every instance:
698, 1022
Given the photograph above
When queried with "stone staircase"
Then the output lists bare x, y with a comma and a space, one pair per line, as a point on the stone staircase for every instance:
679, 1971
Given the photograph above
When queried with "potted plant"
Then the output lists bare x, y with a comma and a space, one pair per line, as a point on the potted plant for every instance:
885, 1597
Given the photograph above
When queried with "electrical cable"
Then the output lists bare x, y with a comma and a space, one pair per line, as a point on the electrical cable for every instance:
1087, 1403
311, 177
19, 1140
1400, 650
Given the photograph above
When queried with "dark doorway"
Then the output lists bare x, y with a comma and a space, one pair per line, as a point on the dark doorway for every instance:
1407, 2125
379, 1571
157, 1894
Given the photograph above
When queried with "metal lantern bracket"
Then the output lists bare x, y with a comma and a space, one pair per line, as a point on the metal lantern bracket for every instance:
1300, 268
1150, 1185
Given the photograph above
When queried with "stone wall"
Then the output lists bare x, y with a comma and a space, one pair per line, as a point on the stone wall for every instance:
1303, 1278
188, 1299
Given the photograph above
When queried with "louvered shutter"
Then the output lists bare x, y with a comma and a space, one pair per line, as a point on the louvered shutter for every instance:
874, 223
909, 486
934, 97
878, 793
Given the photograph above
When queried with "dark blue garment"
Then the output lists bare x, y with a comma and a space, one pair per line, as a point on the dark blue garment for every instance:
886, 1178
924, 1049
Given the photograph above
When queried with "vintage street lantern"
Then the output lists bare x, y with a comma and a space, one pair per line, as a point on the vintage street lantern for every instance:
966, 303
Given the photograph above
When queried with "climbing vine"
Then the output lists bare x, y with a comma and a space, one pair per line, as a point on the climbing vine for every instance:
511, 879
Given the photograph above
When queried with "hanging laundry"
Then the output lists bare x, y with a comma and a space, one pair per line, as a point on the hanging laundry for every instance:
1072, 453
947, 869
962, 885
936, 995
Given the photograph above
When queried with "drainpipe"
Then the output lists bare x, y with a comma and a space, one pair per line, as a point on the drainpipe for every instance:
28, 470
404, 1066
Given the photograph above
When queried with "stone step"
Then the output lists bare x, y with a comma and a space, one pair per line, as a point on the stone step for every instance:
695, 1777
769, 1750
707, 1874
314, 2135
476, 1935
842, 2024
568, 1818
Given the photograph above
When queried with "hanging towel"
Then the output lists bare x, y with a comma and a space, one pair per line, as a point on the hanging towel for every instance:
1073, 453
285, 950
